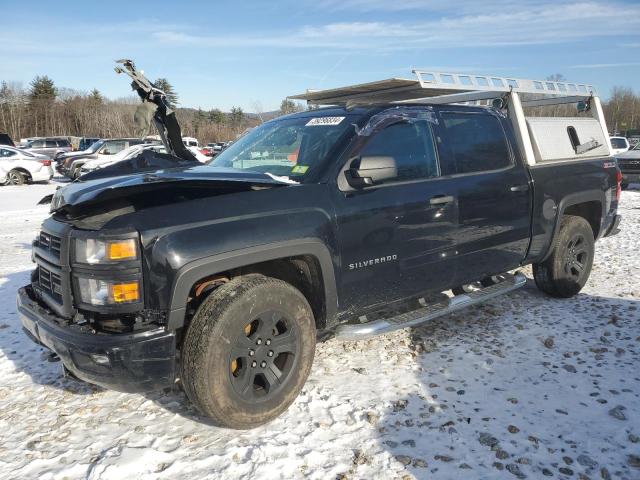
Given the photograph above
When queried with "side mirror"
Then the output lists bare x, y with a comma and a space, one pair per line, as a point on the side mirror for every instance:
372, 170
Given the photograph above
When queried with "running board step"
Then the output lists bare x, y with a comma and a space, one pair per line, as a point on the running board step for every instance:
430, 312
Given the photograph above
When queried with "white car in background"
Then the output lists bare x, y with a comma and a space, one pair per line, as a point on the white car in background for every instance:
619, 145
125, 154
190, 142
18, 166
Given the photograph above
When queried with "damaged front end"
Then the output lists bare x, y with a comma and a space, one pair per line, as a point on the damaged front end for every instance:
87, 300
86, 303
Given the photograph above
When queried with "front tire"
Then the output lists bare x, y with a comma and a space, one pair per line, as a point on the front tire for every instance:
248, 351
567, 269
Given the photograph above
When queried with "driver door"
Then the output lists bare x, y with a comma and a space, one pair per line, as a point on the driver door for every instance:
397, 237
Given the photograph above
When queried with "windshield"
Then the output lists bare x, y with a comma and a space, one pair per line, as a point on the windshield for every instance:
95, 146
287, 148
618, 143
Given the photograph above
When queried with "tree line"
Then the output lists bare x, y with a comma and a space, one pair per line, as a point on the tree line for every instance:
43, 109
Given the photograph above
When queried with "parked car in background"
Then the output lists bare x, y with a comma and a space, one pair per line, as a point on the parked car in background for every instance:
18, 166
619, 145
5, 139
208, 151
49, 146
104, 149
126, 154
86, 142
190, 142
629, 163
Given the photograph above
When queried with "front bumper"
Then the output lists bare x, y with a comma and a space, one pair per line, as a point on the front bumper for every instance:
630, 178
132, 362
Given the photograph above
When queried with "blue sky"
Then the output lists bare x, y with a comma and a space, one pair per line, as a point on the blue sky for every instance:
248, 53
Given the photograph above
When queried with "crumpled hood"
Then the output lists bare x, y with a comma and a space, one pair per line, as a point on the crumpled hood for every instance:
77, 197
75, 155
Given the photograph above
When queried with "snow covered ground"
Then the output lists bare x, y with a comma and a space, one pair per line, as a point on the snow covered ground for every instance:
523, 386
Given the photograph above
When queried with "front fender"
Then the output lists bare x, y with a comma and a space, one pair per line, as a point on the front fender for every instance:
190, 273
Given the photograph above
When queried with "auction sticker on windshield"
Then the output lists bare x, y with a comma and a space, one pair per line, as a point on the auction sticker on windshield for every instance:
318, 121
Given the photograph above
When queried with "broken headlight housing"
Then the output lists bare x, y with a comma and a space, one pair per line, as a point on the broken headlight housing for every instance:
107, 271
106, 292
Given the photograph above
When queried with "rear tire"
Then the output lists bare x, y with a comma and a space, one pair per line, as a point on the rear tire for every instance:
248, 351
567, 269
15, 177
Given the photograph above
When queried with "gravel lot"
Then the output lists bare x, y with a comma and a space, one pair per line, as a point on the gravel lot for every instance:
523, 386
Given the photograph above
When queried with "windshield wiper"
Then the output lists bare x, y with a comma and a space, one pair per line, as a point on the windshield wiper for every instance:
164, 117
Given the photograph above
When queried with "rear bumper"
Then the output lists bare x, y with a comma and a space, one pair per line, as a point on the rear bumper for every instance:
43, 175
135, 362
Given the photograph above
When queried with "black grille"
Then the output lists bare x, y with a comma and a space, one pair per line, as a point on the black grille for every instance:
50, 282
51, 243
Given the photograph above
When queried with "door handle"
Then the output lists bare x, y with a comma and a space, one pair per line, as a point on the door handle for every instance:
441, 199
520, 188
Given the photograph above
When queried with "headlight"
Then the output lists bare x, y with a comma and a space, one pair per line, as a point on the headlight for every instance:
101, 292
88, 250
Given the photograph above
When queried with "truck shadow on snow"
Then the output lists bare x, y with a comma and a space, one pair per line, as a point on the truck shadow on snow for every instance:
32, 359
500, 382
26, 356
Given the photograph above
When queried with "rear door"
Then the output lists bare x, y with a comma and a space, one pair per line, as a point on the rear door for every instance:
50, 148
493, 193
7, 162
396, 238
37, 146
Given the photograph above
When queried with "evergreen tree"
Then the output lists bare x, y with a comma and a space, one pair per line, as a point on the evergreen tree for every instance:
236, 115
42, 89
289, 106
95, 97
164, 85
216, 116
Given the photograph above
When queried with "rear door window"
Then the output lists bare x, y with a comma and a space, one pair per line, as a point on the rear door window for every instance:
111, 148
5, 153
411, 145
63, 143
476, 142
50, 144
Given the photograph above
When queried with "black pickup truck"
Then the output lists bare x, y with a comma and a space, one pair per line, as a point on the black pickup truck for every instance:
347, 222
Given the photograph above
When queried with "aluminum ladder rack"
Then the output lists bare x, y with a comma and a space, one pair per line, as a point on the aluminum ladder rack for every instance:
507, 93
441, 88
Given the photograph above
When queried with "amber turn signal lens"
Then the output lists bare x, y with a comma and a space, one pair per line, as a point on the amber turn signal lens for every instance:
122, 250
125, 292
